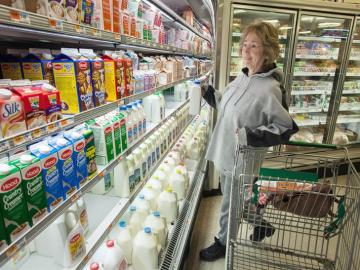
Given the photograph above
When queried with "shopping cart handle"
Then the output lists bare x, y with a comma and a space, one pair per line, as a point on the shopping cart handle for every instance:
316, 145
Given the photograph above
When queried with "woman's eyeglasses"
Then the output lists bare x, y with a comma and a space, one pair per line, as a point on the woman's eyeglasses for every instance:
251, 46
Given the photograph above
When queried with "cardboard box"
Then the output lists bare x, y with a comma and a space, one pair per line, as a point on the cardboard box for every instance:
114, 75
116, 16
38, 66
103, 11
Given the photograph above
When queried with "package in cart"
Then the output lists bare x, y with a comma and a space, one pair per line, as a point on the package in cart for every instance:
33, 185
13, 203
72, 73
66, 163
50, 172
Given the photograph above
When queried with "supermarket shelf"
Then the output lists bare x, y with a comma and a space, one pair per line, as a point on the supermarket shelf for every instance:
348, 120
31, 136
317, 57
308, 122
235, 34
349, 107
308, 92
354, 58
38, 228
353, 74
321, 39
305, 110
356, 41
351, 91
322, 74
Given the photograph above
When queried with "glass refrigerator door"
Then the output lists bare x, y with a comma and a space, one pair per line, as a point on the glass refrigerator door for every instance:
320, 43
243, 16
348, 120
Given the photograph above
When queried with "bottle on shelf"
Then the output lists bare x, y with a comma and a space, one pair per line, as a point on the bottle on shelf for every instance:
150, 196
136, 221
167, 205
133, 120
158, 227
155, 185
114, 258
142, 206
178, 183
121, 179
145, 251
124, 240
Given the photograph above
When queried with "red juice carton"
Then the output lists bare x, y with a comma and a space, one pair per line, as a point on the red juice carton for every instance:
79, 155
66, 163
50, 170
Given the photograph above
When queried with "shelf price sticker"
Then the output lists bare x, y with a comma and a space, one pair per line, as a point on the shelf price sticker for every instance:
66, 122
21, 139
96, 32
117, 36
39, 132
4, 146
53, 127
19, 16
56, 24
15, 249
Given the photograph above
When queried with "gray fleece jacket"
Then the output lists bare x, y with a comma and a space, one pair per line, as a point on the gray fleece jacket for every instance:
252, 111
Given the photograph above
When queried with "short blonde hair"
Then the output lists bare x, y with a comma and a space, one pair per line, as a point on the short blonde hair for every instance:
269, 37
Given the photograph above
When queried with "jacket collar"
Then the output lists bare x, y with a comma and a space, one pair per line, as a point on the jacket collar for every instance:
265, 69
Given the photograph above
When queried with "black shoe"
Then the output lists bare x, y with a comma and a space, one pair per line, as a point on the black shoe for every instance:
260, 232
213, 252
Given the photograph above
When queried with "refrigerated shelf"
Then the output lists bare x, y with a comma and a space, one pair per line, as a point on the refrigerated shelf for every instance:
317, 57
315, 74
348, 120
320, 39
349, 107
304, 110
307, 92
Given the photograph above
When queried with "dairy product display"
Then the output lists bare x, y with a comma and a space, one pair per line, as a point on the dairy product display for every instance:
145, 252
124, 240
158, 227
167, 205
114, 257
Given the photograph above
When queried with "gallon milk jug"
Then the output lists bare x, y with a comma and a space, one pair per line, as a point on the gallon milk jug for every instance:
171, 162
155, 186
114, 257
83, 215
150, 196
124, 240
156, 109
104, 184
139, 160
95, 266
158, 227
142, 206
177, 92
121, 179
136, 221
161, 177
166, 168
181, 167
145, 252
195, 98
145, 155
193, 149
177, 182
167, 205
175, 156
147, 108
131, 169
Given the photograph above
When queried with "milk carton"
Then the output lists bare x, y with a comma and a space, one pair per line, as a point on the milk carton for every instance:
11, 67
12, 115
33, 185
66, 164
103, 10
50, 101
115, 121
104, 142
50, 173
97, 75
73, 79
13, 202
31, 98
38, 66
128, 71
114, 74
3, 237
90, 151
79, 156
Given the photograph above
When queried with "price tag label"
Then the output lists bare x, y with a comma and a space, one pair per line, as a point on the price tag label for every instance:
148, 43
39, 132
101, 174
53, 127
12, 250
4, 146
56, 24
19, 16
142, 42
117, 36
21, 139
66, 122
75, 197
96, 33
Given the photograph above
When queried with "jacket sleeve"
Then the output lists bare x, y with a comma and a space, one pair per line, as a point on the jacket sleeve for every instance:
211, 96
277, 127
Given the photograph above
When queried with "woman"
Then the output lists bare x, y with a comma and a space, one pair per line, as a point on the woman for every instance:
252, 111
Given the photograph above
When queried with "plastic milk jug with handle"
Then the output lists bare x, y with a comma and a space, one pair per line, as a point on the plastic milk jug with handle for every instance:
158, 227
124, 240
150, 196
178, 183
181, 167
136, 221
155, 185
121, 179
161, 177
145, 252
142, 206
167, 205
114, 257
96, 266
195, 98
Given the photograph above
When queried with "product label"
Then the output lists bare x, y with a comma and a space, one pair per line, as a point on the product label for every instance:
104, 143
34, 190
137, 174
117, 137
135, 132
129, 135
144, 125
132, 183
107, 181
90, 153
149, 162
144, 169
11, 71
153, 156
80, 161
48, 71
112, 91
124, 145
67, 168
157, 152
84, 219
98, 81
76, 246
12, 117
87, 11
13, 205
32, 71
140, 125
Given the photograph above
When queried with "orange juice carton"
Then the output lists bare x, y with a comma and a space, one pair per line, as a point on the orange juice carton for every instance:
50, 100
114, 75
103, 11
87, 11
125, 23
11, 67
12, 113
51, 173
116, 16
97, 75
13, 205
31, 98
72, 74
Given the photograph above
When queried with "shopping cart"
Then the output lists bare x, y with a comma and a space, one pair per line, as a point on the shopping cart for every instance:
313, 214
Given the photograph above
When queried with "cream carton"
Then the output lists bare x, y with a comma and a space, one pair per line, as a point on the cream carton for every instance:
3, 236
33, 185
66, 163
104, 141
12, 114
79, 155
72, 75
12, 202
50, 172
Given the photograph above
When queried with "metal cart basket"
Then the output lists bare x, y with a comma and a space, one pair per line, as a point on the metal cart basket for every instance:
293, 213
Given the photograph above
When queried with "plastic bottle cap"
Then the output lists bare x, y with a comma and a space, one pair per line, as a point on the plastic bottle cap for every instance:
110, 243
142, 197
4, 169
178, 171
122, 224
44, 149
147, 230
129, 106
157, 214
26, 159
123, 108
61, 142
75, 135
47, 87
133, 208
94, 266
5, 94
197, 82
169, 189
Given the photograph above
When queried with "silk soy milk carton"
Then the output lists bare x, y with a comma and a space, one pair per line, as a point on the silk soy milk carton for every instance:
12, 202
72, 73
33, 186
50, 172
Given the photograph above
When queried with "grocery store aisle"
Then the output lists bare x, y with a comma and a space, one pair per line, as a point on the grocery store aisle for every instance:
205, 229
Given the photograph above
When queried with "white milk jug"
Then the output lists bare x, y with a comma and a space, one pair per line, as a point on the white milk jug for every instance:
124, 240
166, 168
114, 257
161, 176
193, 149
142, 206
158, 227
167, 205
147, 108
170, 162
177, 182
181, 167
156, 109
150, 196
155, 185
121, 179
195, 98
175, 156
136, 221
145, 252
